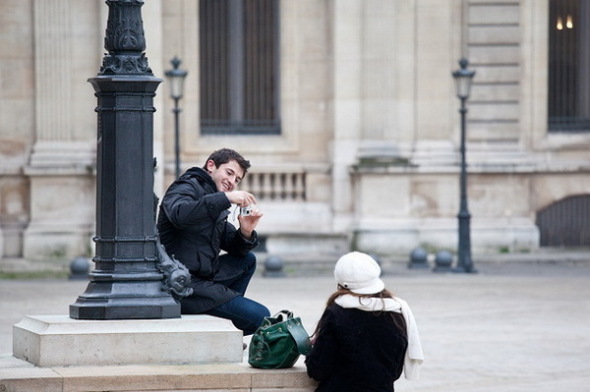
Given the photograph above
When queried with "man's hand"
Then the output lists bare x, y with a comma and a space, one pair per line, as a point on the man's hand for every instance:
241, 198
249, 222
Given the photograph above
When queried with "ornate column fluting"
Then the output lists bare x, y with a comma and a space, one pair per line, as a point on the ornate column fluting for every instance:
126, 282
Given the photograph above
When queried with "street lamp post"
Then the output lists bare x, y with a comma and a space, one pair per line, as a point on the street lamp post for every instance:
127, 282
176, 78
463, 78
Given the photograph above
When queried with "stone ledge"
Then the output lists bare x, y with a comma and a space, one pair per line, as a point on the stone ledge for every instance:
57, 340
20, 376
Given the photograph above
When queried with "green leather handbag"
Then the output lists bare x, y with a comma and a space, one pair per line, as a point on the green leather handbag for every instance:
278, 342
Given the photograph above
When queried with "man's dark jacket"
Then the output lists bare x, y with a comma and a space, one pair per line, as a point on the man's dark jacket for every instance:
193, 227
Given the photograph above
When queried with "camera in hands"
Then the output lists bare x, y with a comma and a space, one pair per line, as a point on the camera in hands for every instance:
245, 211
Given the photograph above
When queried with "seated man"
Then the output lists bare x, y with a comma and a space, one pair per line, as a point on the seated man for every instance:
193, 227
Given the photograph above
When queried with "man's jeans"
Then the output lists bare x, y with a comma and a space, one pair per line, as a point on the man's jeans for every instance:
244, 313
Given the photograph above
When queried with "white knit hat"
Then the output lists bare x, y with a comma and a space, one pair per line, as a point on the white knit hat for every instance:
359, 273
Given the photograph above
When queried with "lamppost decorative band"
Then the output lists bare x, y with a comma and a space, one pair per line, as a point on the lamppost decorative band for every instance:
125, 109
127, 277
125, 239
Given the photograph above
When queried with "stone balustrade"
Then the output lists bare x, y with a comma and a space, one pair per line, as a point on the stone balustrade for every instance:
287, 186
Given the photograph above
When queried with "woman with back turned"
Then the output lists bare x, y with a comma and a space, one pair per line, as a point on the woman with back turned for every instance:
366, 337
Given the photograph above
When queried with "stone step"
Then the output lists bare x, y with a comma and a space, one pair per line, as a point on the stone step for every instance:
20, 376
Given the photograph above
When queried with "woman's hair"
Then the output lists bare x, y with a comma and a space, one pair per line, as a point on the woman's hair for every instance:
399, 322
225, 155
342, 291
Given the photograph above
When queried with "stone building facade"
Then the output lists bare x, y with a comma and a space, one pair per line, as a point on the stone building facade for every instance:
367, 155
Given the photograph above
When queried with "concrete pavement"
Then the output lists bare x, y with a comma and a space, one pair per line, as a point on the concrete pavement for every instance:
514, 326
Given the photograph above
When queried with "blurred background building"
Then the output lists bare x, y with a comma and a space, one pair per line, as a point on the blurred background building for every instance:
346, 108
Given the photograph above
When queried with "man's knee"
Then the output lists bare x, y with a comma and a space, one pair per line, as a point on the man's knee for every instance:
258, 313
248, 262
250, 258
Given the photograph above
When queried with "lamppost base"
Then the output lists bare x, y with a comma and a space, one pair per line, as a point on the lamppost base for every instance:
120, 307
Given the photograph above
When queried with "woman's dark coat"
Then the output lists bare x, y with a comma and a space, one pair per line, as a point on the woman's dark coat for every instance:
193, 227
357, 351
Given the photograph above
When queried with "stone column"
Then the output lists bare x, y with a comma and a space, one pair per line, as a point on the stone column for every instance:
346, 27
60, 168
437, 42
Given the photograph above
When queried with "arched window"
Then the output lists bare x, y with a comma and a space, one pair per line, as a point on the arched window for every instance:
565, 222
239, 66
569, 66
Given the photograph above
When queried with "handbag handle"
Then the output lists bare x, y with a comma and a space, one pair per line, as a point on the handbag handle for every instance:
279, 315
300, 336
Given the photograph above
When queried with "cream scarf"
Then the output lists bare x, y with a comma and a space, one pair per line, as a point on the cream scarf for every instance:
414, 356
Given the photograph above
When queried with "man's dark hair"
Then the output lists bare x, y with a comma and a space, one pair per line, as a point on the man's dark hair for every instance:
225, 155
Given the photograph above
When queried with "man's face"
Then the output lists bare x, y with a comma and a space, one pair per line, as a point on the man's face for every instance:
227, 176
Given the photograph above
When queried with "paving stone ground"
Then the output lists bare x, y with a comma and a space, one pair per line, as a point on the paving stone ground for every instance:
511, 327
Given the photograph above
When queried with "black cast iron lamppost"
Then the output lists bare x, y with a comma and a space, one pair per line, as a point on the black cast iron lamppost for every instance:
128, 280
176, 78
463, 78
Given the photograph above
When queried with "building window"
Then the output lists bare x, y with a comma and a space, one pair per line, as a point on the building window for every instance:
239, 67
569, 66
565, 223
